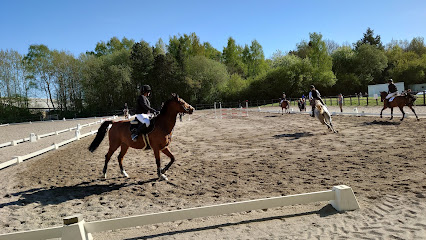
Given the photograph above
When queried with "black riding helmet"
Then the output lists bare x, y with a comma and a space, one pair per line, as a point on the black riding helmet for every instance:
145, 89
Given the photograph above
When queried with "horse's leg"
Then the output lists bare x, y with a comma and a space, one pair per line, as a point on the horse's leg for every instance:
330, 122
113, 145
384, 107
403, 113
391, 113
124, 148
412, 109
158, 162
167, 152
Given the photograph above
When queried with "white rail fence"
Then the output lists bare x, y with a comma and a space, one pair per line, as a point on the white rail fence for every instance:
78, 136
34, 137
355, 112
341, 198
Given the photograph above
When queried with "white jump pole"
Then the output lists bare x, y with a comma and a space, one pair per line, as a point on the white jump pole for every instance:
215, 116
220, 107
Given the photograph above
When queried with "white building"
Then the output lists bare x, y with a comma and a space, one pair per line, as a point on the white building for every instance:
374, 90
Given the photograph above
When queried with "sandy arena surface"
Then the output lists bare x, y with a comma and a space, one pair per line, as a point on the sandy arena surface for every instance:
235, 159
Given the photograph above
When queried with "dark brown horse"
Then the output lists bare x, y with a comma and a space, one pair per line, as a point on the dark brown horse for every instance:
407, 99
159, 138
285, 104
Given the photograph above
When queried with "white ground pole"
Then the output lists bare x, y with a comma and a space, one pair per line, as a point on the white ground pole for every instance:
340, 197
215, 116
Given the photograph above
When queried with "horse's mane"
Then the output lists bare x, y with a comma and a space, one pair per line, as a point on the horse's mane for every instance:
166, 105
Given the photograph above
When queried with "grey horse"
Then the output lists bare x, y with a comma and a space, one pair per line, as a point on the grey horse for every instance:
323, 115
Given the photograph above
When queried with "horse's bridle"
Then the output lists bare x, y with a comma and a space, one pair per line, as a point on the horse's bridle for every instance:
183, 106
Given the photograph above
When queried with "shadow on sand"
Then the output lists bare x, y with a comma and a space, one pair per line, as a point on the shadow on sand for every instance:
375, 122
57, 195
294, 136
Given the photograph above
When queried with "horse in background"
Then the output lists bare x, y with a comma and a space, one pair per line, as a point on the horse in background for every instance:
406, 99
158, 139
285, 104
323, 115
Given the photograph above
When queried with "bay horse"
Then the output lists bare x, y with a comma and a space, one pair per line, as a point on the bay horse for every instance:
285, 104
158, 139
407, 99
323, 115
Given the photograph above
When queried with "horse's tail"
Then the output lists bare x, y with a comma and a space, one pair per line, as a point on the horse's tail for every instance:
99, 136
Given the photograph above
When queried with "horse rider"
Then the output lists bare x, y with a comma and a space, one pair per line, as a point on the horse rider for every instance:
284, 98
392, 90
143, 111
314, 95
126, 111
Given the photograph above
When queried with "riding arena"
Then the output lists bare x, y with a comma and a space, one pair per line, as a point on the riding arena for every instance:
224, 156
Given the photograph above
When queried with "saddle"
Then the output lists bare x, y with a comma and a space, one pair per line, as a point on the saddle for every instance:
136, 123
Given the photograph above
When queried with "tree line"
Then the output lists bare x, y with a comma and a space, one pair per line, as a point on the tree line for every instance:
111, 74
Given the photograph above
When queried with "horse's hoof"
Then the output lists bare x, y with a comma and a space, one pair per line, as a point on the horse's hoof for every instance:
125, 174
163, 177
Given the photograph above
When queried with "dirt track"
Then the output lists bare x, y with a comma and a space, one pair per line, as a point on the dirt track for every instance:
226, 160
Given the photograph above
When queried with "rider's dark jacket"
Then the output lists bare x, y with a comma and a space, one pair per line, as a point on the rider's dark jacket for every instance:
316, 94
144, 106
392, 88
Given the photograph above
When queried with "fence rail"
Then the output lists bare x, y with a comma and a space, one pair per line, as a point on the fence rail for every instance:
341, 198
349, 100
15, 142
20, 159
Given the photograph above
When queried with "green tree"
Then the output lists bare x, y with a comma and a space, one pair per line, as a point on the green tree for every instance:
343, 67
114, 44
14, 83
232, 58
107, 81
39, 63
370, 39
417, 46
410, 68
211, 53
290, 73
67, 78
164, 79
254, 59
159, 48
183, 47
205, 77
370, 62
141, 62
321, 62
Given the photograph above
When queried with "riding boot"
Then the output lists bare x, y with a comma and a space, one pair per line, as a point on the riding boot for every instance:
137, 131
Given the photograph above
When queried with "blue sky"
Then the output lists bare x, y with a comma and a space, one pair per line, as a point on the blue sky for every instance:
76, 26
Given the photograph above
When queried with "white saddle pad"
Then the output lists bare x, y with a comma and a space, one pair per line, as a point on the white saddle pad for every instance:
391, 99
